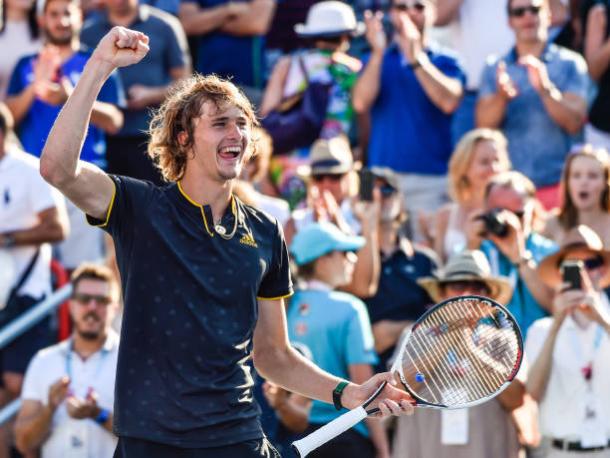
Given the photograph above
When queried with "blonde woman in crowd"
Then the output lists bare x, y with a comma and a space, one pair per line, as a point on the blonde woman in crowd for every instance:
585, 190
479, 155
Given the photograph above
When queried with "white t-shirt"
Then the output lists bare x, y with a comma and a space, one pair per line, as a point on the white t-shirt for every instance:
480, 31
24, 194
72, 438
562, 408
15, 42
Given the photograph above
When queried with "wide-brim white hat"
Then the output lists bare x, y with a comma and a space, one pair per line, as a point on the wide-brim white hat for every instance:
329, 19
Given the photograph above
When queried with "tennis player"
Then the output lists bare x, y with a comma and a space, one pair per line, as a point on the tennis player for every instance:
203, 275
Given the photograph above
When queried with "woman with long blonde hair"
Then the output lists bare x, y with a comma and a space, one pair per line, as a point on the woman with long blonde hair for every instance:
479, 155
585, 191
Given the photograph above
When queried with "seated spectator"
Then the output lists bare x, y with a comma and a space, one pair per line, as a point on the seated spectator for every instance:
229, 39
145, 83
254, 181
68, 391
335, 328
585, 188
331, 187
504, 232
399, 299
569, 352
328, 29
480, 154
483, 431
19, 36
411, 88
596, 22
32, 215
39, 87
536, 94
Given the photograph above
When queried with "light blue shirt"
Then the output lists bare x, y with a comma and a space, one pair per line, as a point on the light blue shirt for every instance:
537, 145
522, 305
334, 330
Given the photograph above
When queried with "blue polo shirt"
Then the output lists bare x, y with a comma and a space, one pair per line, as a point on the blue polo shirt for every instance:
536, 144
399, 297
522, 305
168, 50
409, 134
190, 311
34, 128
239, 58
334, 329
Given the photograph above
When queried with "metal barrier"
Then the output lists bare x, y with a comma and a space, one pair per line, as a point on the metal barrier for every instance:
23, 323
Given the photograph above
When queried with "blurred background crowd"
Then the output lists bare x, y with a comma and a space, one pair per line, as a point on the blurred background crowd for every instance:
412, 150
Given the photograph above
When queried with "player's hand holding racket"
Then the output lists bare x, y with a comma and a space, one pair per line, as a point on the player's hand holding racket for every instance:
462, 352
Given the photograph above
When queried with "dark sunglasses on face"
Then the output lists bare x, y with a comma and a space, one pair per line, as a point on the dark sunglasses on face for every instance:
417, 6
521, 10
324, 176
472, 286
592, 263
85, 299
387, 190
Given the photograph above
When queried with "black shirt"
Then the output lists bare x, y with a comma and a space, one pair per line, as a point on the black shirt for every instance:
399, 297
190, 312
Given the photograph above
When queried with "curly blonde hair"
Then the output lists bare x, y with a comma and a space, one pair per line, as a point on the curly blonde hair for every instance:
176, 115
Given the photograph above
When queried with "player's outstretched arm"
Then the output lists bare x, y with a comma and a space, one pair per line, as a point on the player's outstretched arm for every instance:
84, 184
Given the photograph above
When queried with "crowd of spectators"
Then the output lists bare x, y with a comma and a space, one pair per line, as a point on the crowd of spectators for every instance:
485, 126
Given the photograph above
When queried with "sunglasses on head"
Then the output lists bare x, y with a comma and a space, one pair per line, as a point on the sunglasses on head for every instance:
472, 286
521, 10
417, 6
85, 299
327, 176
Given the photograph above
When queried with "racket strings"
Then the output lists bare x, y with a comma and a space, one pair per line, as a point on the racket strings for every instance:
462, 352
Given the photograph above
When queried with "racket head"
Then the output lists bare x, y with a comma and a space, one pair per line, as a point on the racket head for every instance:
460, 353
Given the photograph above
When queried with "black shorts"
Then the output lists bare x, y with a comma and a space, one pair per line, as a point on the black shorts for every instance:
16, 356
138, 448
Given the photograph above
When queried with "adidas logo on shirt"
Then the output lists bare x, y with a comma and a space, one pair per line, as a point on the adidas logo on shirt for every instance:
248, 239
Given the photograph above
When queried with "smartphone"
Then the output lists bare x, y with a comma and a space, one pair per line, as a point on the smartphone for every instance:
366, 185
571, 272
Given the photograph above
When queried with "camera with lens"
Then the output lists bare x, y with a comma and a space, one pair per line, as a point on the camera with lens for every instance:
495, 223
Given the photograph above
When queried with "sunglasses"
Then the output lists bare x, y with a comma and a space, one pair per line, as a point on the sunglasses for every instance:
592, 263
386, 190
85, 299
404, 7
327, 176
521, 10
472, 286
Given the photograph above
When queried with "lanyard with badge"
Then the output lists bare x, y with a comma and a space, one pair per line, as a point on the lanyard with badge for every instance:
592, 427
77, 436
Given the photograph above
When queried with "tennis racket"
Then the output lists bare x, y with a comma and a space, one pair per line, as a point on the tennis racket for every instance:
460, 353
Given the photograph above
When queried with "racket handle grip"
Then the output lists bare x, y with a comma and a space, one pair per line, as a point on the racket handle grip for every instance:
329, 431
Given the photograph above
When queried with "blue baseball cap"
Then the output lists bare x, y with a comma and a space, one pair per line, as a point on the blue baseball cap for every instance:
317, 239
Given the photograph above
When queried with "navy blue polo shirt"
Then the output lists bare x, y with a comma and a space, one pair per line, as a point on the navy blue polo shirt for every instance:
190, 312
409, 133
399, 297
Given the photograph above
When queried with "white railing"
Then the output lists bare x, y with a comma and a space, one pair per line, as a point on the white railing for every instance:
22, 324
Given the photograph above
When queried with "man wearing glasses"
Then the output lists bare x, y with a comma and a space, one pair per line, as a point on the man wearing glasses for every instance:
411, 89
536, 94
68, 391
511, 244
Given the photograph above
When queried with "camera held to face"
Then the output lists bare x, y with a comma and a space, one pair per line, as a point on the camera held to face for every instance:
495, 223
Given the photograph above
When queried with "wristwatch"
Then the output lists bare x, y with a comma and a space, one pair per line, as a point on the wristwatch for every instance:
525, 258
102, 417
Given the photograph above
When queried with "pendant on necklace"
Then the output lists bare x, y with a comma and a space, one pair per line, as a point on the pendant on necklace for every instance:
220, 229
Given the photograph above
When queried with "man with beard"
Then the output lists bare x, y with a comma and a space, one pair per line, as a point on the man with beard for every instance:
204, 275
41, 83
68, 391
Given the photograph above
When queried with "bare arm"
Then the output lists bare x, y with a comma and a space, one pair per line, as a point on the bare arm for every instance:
278, 362
20, 104
255, 20
597, 46
107, 117
198, 21
52, 227
84, 184
568, 110
447, 11
443, 91
275, 87
490, 110
360, 373
387, 333
512, 397
33, 425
